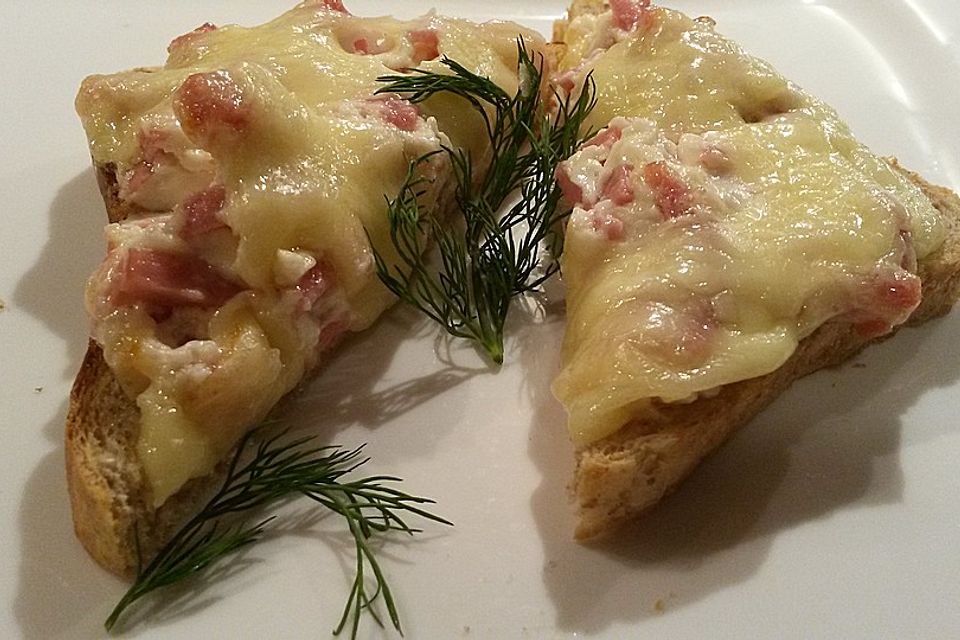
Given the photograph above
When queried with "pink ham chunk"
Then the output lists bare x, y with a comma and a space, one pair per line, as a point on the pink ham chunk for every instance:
671, 195
426, 45
572, 192
138, 178
607, 224
400, 113
605, 138
153, 151
361, 46
617, 187
567, 81
200, 213
628, 14
211, 106
166, 280
716, 161
332, 5
367, 43
313, 286
886, 301
898, 291
696, 334
154, 144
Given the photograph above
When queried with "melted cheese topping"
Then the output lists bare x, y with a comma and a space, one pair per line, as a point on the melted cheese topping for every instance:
284, 117
729, 216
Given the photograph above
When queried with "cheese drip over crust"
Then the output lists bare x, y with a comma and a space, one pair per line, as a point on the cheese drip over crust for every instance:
721, 215
255, 162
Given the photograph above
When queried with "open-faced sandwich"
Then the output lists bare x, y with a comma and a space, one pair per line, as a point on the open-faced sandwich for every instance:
729, 236
244, 181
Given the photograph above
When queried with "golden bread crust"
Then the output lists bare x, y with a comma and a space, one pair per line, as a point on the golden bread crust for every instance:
102, 423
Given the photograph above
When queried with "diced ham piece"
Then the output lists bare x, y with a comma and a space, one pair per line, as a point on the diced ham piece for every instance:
607, 224
364, 41
670, 194
897, 291
889, 299
361, 46
154, 144
627, 14
572, 192
153, 149
167, 169
210, 106
332, 5
200, 212
315, 283
426, 45
370, 44
617, 186
400, 113
138, 177
605, 138
165, 279
313, 286
186, 38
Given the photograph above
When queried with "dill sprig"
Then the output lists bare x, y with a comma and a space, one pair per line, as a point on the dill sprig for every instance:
276, 471
489, 259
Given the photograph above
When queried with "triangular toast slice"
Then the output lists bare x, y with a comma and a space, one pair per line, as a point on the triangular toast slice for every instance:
729, 236
241, 180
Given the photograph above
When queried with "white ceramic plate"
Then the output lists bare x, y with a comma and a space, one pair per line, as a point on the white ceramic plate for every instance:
833, 515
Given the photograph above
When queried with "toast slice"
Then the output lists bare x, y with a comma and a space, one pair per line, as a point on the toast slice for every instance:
702, 115
241, 180
623, 475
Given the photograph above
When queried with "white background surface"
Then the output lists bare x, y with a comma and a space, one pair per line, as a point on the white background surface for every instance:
836, 514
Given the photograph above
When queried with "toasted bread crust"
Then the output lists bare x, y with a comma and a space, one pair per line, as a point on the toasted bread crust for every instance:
102, 424
621, 476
